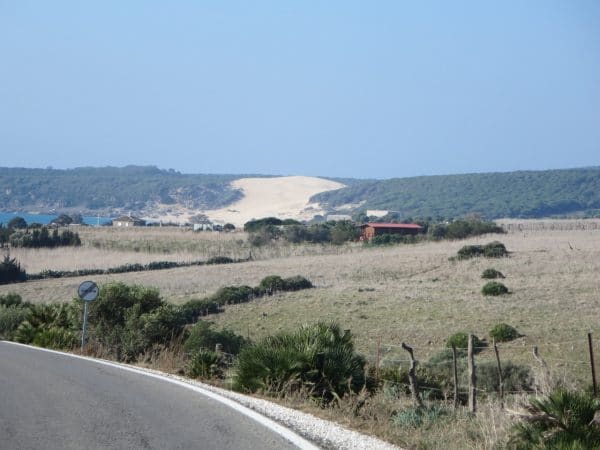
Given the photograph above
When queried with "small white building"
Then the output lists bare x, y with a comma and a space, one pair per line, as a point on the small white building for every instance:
128, 221
377, 212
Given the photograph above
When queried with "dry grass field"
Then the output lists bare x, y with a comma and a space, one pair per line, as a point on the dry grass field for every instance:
410, 293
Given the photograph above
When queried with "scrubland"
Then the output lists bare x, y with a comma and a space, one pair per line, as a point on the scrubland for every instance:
386, 295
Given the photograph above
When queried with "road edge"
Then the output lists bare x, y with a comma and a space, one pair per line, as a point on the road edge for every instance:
268, 423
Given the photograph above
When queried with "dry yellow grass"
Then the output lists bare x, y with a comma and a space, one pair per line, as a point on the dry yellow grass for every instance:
409, 293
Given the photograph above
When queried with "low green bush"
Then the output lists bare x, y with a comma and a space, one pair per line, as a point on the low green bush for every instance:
204, 364
160, 265
515, 377
55, 338
503, 332
495, 250
492, 274
492, 250
494, 288
461, 341
195, 308
203, 336
10, 319
231, 295
391, 239
220, 260
563, 420
125, 268
319, 358
11, 299
296, 283
416, 417
271, 284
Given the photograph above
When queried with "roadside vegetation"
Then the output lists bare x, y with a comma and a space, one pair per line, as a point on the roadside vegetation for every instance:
365, 303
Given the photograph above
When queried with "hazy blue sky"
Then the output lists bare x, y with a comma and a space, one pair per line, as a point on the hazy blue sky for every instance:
337, 88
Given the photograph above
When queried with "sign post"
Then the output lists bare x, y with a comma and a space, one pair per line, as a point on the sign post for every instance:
88, 292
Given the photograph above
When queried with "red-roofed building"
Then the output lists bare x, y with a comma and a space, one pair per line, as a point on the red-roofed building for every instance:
370, 230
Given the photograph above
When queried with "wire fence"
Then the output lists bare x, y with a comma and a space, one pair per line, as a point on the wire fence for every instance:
494, 372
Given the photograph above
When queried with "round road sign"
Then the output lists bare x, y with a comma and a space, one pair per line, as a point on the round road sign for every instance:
88, 291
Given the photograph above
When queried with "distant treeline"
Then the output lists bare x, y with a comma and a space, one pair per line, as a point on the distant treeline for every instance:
524, 194
19, 234
263, 231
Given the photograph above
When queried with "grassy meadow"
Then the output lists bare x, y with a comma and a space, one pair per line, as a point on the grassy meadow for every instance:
404, 293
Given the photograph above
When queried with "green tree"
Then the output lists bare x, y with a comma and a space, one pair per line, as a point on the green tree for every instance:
17, 223
10, 271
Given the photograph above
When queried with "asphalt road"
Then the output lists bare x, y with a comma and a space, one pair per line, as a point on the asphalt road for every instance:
53, 401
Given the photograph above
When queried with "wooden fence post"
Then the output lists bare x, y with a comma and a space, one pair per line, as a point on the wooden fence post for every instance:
377, 359
547, 382
500, 382
472, 377
414, 387
591, 347
455, 376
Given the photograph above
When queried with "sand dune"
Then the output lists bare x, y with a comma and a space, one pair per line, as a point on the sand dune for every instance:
282, 197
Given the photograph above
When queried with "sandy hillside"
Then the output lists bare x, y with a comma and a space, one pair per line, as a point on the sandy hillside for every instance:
282, 197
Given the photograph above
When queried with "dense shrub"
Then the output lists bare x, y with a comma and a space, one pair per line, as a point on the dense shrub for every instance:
160, 265
494, 288
343, 231
17, 223
258, 224
461, 341
433, 383
11, 299
495, 250
10, 271
203, 336
463, 228
196, 308
231, 295
219, 260
41, 237
503, 332
492, 250
10, 319
296, 283
161, 325
563, 420
319, 357
389, 239
125, 268
115, 301
55, 325
491, 274
204, 364
416, 417
55, 338
264, 235
130, 320
271, 284
515, 378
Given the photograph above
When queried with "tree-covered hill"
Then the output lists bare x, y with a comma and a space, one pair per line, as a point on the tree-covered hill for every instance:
138, 189
130, 188
526, 194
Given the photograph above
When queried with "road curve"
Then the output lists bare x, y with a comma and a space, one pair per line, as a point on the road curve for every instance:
51, 400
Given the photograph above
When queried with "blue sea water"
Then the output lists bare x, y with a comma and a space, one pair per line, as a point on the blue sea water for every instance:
45, 219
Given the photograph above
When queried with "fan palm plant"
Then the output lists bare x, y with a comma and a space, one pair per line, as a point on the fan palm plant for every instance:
319, 358
563, 420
